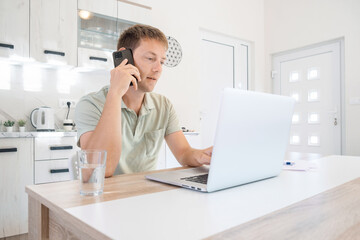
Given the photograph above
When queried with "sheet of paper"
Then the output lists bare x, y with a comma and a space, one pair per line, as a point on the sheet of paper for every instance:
300, 165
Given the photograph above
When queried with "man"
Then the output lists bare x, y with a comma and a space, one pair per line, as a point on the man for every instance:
130, 122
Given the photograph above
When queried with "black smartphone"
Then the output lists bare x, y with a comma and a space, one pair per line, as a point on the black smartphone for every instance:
119, 56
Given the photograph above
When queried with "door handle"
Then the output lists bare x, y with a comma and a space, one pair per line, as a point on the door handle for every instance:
52, 148
4, 45
59, 170
10, 149
54, 53
98, 59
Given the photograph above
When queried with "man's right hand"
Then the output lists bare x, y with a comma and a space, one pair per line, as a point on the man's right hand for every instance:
122, 75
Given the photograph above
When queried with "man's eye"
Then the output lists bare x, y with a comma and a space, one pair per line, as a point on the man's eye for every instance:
162, 63
150, 59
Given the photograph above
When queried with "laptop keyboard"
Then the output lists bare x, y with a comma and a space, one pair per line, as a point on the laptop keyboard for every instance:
199, 178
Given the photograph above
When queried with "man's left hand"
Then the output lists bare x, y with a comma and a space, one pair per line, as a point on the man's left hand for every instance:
203, 156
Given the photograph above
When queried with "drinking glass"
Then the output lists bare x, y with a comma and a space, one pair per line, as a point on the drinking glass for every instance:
92, 165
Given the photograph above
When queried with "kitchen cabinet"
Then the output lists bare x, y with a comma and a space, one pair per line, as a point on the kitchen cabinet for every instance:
96, 59
53, 159
52, 170
14, 28
98, 37
53, 26
16, 171
104, 7
134, 12
52, 31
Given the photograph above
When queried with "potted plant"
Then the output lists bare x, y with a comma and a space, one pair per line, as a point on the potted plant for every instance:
9, 125
21, 123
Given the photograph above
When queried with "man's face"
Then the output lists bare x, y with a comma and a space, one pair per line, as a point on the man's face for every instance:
149, 57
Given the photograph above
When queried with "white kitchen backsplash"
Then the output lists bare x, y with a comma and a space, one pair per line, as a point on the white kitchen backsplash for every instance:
28, 86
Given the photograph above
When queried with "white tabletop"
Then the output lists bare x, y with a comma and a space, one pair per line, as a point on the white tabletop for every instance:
186, 214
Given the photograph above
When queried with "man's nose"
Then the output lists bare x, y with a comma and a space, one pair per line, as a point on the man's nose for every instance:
157, 66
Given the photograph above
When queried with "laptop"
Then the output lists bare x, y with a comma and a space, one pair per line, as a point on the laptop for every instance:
251, 138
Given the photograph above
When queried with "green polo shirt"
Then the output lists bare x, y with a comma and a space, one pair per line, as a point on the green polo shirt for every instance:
142, 136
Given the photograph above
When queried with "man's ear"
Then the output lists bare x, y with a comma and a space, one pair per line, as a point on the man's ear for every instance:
122, 48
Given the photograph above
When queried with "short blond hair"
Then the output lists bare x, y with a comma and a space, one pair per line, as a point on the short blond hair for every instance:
132, 36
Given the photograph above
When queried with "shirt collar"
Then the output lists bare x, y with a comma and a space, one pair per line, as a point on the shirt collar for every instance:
147, 105
148, 102
123, 105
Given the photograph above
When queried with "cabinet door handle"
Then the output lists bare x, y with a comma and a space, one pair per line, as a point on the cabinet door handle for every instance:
59, 170
98, 58
54, 53
11, 149
4, 45
53, 148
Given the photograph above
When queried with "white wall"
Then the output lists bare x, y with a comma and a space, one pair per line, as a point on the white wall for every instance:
291, 24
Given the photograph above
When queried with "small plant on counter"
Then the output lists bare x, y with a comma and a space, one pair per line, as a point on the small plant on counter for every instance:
9, 123
21, 123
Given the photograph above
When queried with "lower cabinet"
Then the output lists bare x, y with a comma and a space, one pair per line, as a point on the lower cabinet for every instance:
52, 171
54, 159
27, 161
16, 171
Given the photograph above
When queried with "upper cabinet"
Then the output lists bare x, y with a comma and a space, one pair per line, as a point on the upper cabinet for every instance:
97, 39
135, 11
14, 28
101, 23
103, 7
53, 27
80, 33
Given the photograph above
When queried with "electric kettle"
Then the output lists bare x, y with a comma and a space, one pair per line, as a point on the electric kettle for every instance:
44, 119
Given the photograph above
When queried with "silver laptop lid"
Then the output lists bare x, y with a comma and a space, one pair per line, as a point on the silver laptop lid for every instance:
251, 138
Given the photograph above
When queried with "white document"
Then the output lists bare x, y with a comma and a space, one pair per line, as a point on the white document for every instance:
299, 165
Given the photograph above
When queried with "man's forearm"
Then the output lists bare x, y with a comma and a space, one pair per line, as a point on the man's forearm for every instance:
184, 153
107, 134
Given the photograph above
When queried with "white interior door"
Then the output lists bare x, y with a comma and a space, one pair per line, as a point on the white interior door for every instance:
312, 77
224, 64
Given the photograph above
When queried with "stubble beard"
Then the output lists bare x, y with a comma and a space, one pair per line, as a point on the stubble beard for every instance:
146, 88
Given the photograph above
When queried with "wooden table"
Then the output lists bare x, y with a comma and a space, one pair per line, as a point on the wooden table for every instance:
323, 204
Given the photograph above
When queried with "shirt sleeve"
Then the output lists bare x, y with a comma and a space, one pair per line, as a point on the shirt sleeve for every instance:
173, 121
87, 116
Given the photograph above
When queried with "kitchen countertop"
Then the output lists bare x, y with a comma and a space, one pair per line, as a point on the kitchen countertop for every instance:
52, 134
37, 134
